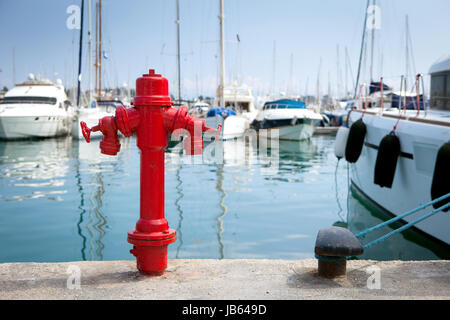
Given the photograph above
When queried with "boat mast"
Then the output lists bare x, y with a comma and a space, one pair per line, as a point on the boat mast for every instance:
329, 91
177, 22
306, 89
407, 54
222, 55
79, 55
96, 48
373, 43
274, 60
289, 87
100, 47
14, 65
349, 67
362, 50
90, 51
338, 73
318, 85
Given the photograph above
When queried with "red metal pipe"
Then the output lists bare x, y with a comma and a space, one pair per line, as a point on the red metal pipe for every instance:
152, 118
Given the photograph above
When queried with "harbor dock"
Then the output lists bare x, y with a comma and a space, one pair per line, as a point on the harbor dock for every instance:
226, 279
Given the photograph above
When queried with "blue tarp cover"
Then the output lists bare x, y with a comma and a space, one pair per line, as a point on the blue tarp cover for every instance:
221, 112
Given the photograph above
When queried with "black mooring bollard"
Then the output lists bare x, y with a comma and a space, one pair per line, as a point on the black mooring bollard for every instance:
333, 246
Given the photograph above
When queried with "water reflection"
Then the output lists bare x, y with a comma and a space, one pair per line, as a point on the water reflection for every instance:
179, 192
82, 211
34, 169
342, 221
223, 209
91, 170
92, 223
94, 228
296, 158
298, 151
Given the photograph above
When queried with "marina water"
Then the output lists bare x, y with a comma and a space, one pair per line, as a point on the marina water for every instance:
61, 200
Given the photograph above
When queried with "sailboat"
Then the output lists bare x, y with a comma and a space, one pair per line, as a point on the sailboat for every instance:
415, 170
234, 108
99, 107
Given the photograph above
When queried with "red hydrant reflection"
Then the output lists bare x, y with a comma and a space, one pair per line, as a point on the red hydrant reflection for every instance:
152, 118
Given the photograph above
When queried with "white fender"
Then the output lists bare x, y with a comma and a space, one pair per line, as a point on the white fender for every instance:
341, 142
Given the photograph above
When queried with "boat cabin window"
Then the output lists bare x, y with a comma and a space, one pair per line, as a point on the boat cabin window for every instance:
440, 91
29, 100
238, 106
280, 106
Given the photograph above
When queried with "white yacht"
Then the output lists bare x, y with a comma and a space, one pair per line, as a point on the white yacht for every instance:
100, 108
292, 118
35, 108
238, 113
422, 135
199, 109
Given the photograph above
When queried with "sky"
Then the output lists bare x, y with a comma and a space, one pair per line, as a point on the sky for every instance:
285, 45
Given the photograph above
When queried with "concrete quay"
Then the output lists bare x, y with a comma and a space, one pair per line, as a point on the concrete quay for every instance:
225, 280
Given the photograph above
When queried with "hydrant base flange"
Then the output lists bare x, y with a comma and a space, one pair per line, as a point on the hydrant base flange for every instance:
150, 249
152, 239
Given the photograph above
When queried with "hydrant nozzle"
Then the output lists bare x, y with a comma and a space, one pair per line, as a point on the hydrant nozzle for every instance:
152, 118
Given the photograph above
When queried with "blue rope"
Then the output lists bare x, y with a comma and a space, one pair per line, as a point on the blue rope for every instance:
364, 232
386, 236
406, 226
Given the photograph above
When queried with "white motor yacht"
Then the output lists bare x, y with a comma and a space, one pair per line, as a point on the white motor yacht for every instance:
423, 133
35, 108
292, 118
199, 109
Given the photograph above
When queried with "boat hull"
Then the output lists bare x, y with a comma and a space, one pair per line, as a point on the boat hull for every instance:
420, 142
232, 126
23, 127
297, 132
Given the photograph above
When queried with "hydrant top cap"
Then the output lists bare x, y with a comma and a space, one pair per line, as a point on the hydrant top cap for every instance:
152, 89
151, 73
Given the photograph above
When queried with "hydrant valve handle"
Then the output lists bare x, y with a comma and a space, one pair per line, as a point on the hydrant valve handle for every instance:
85, 131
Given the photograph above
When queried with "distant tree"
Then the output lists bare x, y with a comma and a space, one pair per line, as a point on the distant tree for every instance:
5, 88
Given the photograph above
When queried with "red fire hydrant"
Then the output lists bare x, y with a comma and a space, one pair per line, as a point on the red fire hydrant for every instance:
152, 118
